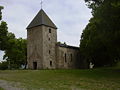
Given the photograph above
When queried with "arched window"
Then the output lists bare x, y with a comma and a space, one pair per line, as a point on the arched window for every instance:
65, 58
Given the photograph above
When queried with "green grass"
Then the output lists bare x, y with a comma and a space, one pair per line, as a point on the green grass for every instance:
1, 88
94, 79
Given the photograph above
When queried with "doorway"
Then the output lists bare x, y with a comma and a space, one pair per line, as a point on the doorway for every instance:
34, 65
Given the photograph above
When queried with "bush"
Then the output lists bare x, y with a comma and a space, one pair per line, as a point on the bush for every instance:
3, 65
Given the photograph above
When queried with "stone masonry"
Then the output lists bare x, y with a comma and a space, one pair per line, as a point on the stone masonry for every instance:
43, 51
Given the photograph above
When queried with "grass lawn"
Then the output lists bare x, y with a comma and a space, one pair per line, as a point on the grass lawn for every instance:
1, 88
94, 79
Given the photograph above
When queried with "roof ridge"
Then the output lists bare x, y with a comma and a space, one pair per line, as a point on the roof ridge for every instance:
41, 19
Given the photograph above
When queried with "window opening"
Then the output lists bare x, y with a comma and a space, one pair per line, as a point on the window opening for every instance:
50, 63
65, 58
49, 30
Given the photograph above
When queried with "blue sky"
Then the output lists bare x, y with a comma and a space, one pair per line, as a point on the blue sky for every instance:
70, 16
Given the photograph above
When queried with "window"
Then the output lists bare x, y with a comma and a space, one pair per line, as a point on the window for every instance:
49, 30
49, 39
50, 63
49, 51
71, 56
65, 58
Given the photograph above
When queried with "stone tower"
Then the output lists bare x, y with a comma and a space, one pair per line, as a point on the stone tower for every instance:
42, 39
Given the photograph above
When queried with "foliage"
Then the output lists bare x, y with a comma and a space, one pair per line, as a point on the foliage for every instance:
1, 12
3, 35
16, 52
100, 39
15, 49
3, 65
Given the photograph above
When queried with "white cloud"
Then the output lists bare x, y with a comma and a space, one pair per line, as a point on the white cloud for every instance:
70, 16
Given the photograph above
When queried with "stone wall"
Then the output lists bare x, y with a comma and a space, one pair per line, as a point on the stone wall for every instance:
67, 57
41, 47
35, 47
49, 42
43, 50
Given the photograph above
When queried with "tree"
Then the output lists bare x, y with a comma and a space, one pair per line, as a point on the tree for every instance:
1, 12
100, 39
3, 65
16, 53
15, 49
3, 35
3, 31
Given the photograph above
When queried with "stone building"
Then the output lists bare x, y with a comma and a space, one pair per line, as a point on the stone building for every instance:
43, 50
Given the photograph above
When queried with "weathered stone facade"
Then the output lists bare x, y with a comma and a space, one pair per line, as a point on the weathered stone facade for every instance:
35, 47
49, 47
67, 56
43, 51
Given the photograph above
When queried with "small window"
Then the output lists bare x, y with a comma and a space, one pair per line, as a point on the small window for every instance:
50, 63
49, 51
49, 30
49, 39
65, 58
71, 56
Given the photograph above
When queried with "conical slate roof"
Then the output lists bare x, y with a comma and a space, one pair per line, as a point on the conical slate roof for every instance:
41, 19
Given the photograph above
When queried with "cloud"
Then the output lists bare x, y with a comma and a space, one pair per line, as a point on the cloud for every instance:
70, 16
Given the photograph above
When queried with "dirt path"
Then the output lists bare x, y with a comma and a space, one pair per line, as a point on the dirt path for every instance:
9, 86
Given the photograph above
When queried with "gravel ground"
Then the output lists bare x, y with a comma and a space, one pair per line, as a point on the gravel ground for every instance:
10, 86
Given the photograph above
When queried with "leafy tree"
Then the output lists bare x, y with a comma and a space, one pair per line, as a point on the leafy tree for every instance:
100, 39
16, 53
15, 49
3, 35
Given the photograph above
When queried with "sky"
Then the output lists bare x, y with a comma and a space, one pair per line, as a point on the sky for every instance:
70, 16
